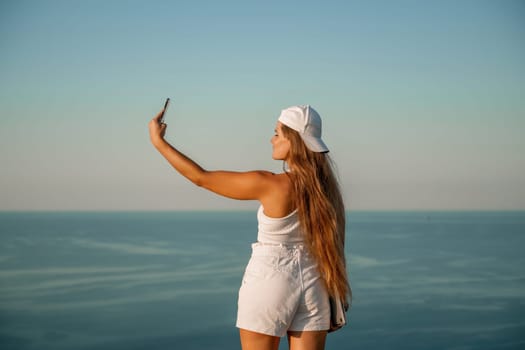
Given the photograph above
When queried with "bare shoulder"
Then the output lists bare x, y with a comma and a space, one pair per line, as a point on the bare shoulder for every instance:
278, 202
280, 181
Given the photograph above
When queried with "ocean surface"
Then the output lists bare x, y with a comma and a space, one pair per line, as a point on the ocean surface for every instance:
421, 280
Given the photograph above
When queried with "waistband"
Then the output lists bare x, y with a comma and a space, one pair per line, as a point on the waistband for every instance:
278, 249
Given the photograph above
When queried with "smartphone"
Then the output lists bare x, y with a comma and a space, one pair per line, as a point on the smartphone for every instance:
166, 104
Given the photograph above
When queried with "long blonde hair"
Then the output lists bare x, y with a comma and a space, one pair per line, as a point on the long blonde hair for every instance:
317, 197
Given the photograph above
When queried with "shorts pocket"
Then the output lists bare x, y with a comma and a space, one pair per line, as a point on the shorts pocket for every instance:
260, 268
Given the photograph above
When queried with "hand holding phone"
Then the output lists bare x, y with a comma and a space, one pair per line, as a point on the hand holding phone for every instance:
166, 104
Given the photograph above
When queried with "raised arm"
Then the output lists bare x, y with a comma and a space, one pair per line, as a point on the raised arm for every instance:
236, 185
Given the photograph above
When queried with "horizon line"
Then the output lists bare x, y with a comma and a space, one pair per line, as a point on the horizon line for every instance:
242, 210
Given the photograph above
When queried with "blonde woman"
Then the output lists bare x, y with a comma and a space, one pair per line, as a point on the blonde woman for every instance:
298, 260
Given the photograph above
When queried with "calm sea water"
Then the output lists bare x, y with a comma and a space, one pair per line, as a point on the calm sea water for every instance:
421, 280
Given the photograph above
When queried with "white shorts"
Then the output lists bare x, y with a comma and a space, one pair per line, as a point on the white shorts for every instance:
282, 291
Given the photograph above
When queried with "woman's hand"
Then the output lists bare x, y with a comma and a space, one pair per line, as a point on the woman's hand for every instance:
157, 129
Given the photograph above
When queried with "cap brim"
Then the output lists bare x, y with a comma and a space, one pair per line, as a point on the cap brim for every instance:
314, 144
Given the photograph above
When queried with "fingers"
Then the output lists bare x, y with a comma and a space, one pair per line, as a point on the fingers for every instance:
158, 117
157, 126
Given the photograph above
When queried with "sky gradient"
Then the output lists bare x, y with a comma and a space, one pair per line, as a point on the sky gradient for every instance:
423, 102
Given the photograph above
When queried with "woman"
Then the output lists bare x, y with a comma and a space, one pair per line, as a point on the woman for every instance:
298, 260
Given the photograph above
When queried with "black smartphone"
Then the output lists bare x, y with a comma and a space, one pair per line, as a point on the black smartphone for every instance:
166, 104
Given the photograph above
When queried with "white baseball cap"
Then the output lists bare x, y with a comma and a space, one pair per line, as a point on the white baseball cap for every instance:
305, 120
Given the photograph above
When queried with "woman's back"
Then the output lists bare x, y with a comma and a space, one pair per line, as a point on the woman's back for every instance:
278, 201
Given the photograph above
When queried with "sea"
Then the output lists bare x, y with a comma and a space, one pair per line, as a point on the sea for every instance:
169, 280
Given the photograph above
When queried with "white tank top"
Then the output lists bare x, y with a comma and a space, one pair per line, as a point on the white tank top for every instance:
285, 230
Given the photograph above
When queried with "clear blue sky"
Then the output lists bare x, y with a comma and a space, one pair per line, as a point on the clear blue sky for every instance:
423, 102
